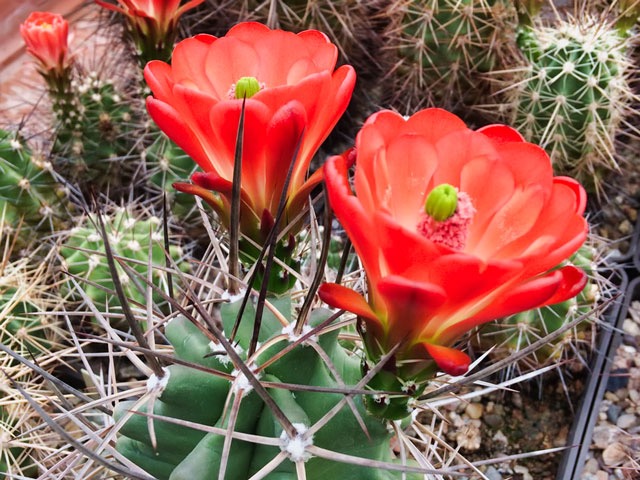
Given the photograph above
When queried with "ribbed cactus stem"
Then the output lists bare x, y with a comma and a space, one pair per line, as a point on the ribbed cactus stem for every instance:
29, 195
203, 397
574, 95
446, 46
133, 237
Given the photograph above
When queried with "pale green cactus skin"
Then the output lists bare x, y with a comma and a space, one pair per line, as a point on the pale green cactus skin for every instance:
184, 453
446, 46
574, 95
29, 194
130, 236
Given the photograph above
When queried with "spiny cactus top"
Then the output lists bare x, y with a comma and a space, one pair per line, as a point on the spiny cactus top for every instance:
432, 278
574, 94
446, 46
136, 239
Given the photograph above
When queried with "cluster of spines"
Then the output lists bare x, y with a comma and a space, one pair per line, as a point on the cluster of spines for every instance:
94, 131
445, 47
574, 94
133, 238
30, 197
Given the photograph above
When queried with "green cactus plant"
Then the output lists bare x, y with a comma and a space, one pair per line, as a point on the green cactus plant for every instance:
93, 134
574, 94
15, 459
24, 326
198, 396
136, 238
166, 163
30, 198
444, 49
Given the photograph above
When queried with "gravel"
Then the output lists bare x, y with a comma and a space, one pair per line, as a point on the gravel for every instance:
615, 445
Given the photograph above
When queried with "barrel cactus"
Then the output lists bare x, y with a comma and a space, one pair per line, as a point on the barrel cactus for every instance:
204, 395
574, 94
134, 237
444, 49
29, 195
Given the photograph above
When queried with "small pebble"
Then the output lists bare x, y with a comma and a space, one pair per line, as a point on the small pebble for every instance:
625, 227
474, 410
516, 399
489, 407
612, 397
591, 466
614, 454
500, 437
493, 474
626, 421
493, 420
630, 327
602, 436
602, 475
613, 412
523, 471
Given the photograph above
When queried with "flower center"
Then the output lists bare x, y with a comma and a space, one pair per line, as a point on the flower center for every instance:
447, 216
245, 87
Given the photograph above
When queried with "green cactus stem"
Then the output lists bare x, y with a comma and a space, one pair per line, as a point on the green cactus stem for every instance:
136, 238
446, 46
29, 195
93, 134
574, 95
166, 164
202, 397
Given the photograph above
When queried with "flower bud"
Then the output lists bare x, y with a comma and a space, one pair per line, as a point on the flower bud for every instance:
442, 202
247, 87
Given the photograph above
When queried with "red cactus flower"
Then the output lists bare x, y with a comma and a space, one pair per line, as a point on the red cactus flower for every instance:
153, 24
454, 228
293, 99
45, 35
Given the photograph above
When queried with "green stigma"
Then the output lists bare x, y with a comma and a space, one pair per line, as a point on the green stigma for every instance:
247, 87
442, 202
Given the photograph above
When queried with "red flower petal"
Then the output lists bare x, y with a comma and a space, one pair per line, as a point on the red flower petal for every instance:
449, 360
345, 205
410, 305
344, 298
501, 133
